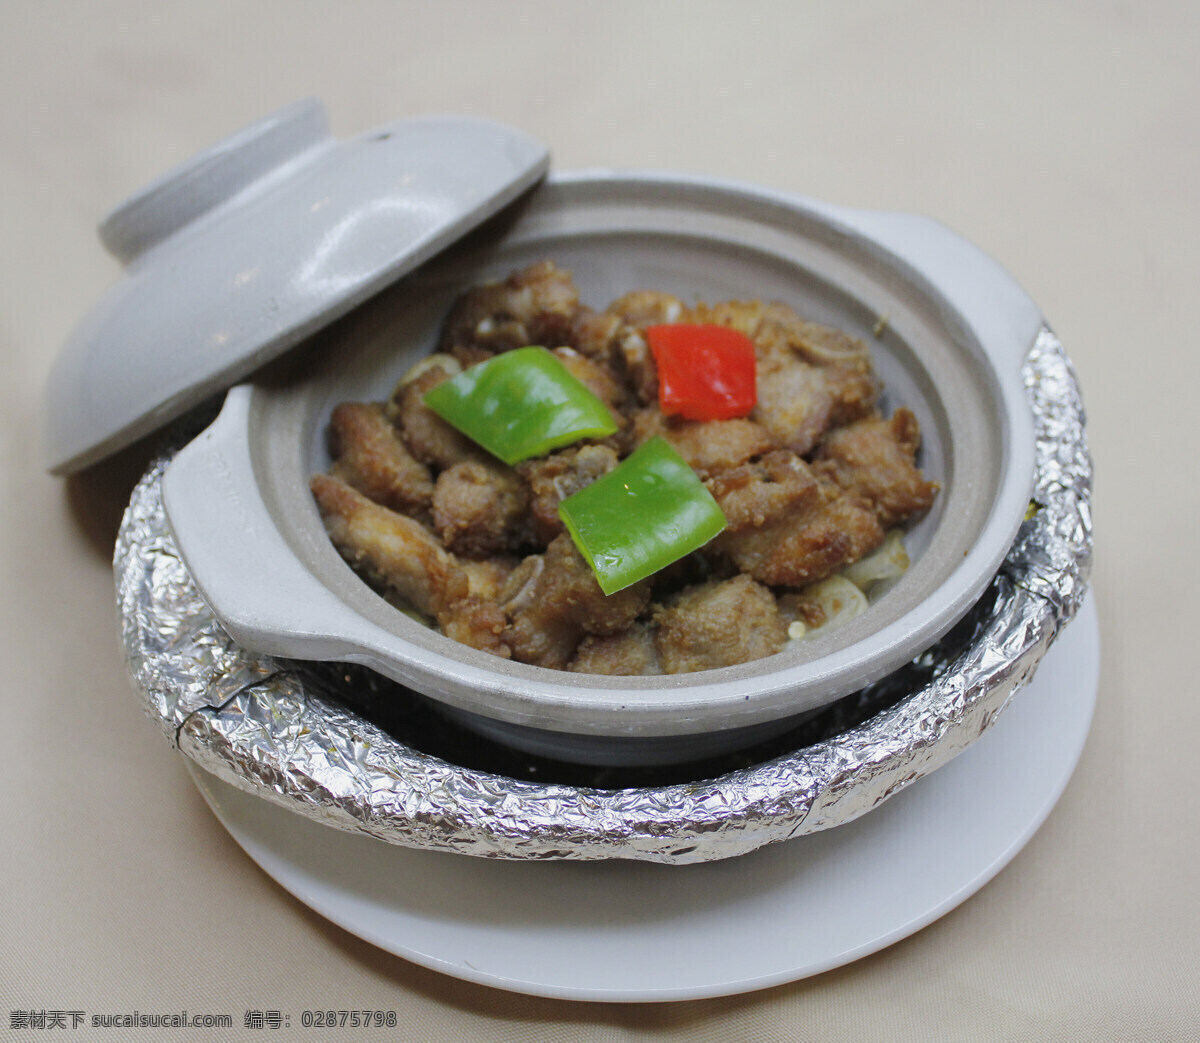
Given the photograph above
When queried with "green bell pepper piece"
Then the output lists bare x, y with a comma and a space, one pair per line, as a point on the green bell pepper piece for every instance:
520, 404
647, 512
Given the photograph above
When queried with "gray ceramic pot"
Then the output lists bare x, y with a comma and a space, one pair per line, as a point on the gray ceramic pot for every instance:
949, 331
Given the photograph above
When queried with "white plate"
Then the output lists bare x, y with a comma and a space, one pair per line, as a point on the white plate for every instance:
635, 931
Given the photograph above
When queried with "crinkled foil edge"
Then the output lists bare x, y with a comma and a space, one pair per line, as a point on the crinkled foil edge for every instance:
263, 724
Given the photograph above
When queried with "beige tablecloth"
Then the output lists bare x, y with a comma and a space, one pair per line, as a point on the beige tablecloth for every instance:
1061, 137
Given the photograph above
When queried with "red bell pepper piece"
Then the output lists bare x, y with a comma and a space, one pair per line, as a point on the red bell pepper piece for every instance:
704, 372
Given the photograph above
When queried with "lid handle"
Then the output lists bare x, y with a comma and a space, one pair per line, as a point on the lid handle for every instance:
203, 182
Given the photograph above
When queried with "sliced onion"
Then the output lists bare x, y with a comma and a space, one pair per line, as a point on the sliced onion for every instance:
447, 363
840, 601
888, 561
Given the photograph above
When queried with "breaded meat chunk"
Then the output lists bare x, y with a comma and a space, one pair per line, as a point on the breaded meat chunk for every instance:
649, 308
631, 653
535, 305
802, 547
717, 624
479, 508
595, 334
765, 491
810, 377
798, 401
848, 382
874, 462
428, 437
604, 337
398, 553
486, 576
597, 377
708, 446
787, 526
551, 479
371, 457
552, 600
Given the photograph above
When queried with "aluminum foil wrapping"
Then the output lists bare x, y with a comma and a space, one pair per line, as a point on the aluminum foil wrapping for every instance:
304, 736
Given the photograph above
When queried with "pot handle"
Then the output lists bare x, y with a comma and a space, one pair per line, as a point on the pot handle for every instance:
256, 586
1003, 315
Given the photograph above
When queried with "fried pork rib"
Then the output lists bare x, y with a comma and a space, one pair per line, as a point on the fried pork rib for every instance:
809, 483
874, 461
718, 623
551, 479
786, 526
553, 600
709, 446
535, 305
372, 457
429, 438
399, 554
479, 507
810, 377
